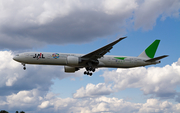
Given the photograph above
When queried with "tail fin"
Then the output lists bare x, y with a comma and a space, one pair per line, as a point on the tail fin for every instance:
150, 51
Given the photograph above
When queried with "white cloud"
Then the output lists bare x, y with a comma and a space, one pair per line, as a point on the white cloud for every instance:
178, 62
65, 21
23, 99
114, 105
31, 100
119, 7
158, 81
153, 105
23, 96
92, 90
11, 80
44, 104
150, 10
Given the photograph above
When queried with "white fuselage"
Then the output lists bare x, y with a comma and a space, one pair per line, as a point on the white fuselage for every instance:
46, 58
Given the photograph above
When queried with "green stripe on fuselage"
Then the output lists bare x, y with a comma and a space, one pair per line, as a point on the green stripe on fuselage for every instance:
121, 58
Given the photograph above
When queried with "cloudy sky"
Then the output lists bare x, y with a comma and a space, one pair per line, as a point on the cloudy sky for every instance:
78, 26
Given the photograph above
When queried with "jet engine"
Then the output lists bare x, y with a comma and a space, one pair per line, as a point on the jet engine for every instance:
69, 69
72, 60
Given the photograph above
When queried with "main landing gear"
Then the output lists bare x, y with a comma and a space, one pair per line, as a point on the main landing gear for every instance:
24, 66
88, 71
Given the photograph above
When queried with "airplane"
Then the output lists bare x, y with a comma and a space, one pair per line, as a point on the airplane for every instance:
93, 60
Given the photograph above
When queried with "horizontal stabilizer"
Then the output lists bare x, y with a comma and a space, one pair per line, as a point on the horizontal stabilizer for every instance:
157, 58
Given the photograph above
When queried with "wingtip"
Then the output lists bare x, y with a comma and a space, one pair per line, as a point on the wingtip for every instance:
123, 37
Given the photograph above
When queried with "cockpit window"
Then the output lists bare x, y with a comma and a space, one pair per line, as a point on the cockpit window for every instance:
17, 55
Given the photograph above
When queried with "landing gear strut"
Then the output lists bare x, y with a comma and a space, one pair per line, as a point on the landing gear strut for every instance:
24, 66
88, 71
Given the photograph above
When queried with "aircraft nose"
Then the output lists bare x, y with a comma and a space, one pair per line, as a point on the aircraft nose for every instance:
16, 58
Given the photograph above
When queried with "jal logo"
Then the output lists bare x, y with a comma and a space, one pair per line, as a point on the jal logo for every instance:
38, 56
55, 55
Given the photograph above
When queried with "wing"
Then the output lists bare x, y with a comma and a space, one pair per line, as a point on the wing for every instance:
100, 52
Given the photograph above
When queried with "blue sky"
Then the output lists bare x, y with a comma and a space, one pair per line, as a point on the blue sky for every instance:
69, 26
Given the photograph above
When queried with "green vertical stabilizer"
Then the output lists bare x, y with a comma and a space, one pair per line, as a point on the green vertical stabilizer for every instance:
151, 50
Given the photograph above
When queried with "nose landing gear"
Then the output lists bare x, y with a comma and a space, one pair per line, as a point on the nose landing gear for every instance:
24, 66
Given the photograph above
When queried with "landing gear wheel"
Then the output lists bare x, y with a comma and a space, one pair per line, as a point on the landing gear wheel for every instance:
87, 73
24, 66
89, 70
93, 70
